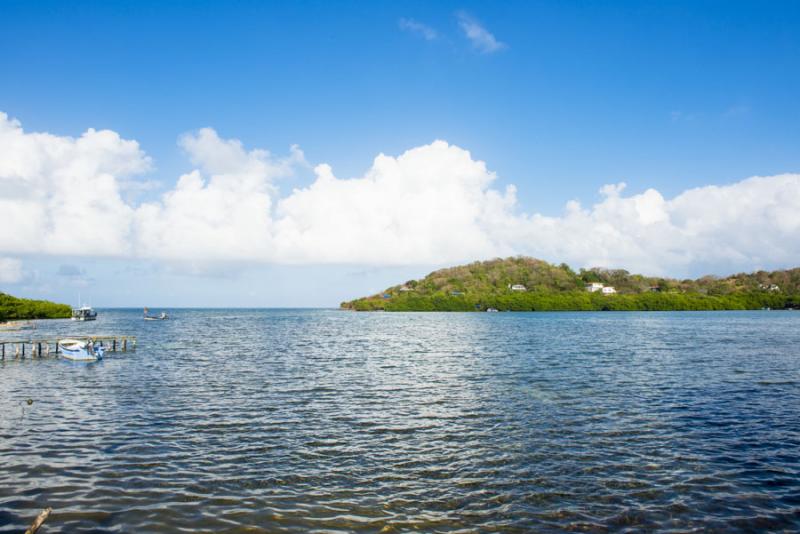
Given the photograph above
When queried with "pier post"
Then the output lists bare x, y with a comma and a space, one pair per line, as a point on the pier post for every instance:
40, 348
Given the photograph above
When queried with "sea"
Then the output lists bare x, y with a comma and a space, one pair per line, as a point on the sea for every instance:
287, 420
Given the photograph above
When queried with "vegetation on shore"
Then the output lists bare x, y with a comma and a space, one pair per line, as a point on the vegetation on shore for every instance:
485, 285
13, 308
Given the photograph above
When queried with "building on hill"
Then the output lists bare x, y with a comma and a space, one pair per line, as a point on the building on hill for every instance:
608, 290
518, 287
593, 287
405, 289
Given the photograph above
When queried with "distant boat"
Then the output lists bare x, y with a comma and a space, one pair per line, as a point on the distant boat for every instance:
162, 317
84, 313
81, 351
491, 310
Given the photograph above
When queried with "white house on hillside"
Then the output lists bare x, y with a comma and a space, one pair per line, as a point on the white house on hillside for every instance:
594, 286
608, 290
518, 287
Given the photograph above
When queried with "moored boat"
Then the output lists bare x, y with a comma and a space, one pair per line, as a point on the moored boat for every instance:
83, 351
84, 313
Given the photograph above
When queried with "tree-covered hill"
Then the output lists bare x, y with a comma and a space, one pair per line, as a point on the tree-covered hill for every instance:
528, 284
12, 308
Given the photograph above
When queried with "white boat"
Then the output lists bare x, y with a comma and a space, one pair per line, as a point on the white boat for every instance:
81, 351
491, 310
84, 313
162, 317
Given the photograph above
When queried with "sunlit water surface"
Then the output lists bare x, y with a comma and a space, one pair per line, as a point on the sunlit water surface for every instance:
286, 420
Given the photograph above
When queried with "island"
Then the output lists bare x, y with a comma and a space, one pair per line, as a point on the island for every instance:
528, 284
13, 309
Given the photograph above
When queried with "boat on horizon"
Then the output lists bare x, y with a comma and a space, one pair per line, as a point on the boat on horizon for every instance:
84, 313
81, 351
161, 317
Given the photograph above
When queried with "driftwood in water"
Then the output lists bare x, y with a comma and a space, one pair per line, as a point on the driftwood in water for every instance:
40, 519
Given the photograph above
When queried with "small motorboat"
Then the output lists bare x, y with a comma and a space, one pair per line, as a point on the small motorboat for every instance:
491, 310
84, 313
81, 351
162, 317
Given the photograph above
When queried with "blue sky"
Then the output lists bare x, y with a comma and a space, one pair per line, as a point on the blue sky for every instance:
662, 95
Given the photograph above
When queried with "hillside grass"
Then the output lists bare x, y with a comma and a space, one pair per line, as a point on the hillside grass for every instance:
483, 285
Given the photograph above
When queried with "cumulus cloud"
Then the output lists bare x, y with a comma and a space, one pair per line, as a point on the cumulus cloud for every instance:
433, 204
10, 270
219, 211
73, 275
481, 38
413, 26
745, 225
61, 195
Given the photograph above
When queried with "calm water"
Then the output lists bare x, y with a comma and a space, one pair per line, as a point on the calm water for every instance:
271, 421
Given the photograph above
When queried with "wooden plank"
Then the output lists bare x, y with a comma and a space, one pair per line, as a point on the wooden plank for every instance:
40, 519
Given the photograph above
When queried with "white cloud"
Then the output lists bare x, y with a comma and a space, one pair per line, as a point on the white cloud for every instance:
61, 195
220, 211
745, 225
739, 110
413, 26
433, 204
481, 38
10, 270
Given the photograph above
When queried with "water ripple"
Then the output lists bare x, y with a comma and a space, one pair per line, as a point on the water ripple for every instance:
293, 421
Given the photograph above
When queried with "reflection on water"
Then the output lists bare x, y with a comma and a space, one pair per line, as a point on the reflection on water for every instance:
278, 420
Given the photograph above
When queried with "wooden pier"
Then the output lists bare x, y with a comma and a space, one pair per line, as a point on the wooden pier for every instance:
43, 348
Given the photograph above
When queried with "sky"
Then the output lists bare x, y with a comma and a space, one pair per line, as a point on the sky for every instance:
305, 153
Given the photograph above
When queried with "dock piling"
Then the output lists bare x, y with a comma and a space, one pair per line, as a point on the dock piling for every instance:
40, 348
